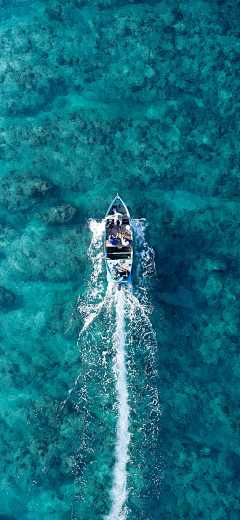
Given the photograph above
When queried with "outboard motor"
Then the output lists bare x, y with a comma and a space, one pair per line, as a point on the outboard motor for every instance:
119, 286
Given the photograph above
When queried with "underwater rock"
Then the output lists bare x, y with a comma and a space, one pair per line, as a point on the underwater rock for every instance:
42, 188
8, 300
205, 451
58, 215
216, 264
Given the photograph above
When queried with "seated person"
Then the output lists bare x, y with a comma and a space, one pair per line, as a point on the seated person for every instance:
125, 242
116, 275
117, 218
120, 208
124, 266
112, 240
110, 224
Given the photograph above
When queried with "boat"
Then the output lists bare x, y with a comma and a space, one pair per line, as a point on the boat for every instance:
118, 242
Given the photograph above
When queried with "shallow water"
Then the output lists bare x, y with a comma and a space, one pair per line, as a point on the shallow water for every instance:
141, 99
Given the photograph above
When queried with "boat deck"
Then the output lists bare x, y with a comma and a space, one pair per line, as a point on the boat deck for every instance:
122, 234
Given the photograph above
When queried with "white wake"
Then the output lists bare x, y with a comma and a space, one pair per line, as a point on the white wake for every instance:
145, 256
118, 492
138, 310
95, 298
97, 304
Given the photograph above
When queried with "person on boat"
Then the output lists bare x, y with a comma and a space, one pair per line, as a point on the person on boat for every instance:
120, 208
110, 224
124, 266
116, 275
123, 270
125, 242
113, 240
117, 217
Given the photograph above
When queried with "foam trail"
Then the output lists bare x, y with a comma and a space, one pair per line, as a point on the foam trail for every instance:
95, 253
119, 491
146, 268
89, 308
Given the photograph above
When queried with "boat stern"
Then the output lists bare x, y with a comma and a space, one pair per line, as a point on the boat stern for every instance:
118, 271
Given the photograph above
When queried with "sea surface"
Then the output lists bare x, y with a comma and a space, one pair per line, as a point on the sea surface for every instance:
120, 406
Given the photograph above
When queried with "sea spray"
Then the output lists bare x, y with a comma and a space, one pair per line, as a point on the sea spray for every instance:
91, 308
144, 254
94, 400
94, 299
119, 489
114, 323
145, 470
93, 392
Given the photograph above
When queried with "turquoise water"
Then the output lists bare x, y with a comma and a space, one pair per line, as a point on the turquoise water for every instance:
105, 416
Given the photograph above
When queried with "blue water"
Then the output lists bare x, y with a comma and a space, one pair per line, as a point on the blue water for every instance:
119, 406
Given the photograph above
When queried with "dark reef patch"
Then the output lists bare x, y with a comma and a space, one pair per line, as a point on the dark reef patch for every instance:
9, 301
58, 215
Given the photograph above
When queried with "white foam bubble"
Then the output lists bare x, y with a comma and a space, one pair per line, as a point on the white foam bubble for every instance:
145, 256
95, 251
95, 286
88, 306
138, 309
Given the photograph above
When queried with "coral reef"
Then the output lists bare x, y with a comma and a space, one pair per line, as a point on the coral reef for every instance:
58, 215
